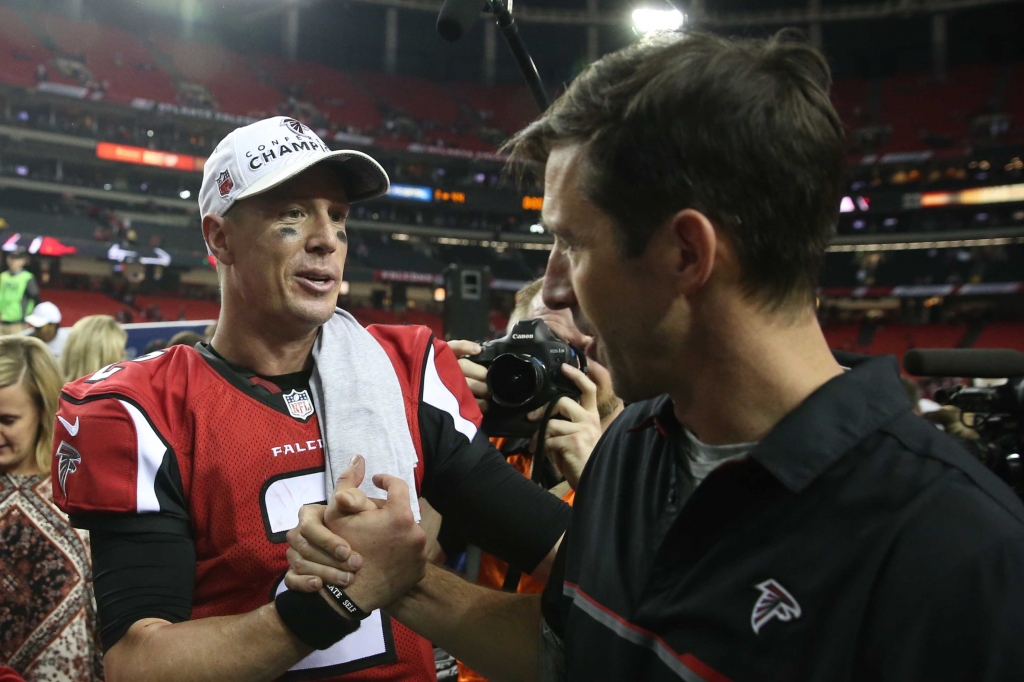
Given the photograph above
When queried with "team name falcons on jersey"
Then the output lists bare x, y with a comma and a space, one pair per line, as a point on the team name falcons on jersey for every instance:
292, 448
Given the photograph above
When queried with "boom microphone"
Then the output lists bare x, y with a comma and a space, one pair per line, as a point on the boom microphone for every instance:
457, 17
974, 362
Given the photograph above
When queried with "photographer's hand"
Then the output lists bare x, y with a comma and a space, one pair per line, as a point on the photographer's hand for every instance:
476, 375
569, 443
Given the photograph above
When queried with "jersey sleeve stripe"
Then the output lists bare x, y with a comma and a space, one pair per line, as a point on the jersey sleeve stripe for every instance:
435, 393
151, 451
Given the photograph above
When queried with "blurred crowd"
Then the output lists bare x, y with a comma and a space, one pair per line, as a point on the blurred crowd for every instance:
48, 617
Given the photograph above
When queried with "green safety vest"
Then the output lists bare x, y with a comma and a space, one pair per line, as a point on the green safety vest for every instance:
13, 306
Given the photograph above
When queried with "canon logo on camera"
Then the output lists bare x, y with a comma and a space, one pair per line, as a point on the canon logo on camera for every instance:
519, 337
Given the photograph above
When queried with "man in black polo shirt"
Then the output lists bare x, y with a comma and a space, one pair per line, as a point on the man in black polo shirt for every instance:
762, 510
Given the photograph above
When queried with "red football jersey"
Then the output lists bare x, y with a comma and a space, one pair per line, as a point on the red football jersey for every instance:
180, 434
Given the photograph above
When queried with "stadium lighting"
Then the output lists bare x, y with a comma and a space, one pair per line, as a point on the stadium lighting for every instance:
185, 194
650, 20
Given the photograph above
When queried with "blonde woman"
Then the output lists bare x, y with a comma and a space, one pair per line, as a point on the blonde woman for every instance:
47, 607
94, 342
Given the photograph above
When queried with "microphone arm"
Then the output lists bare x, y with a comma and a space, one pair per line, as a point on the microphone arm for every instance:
503, 16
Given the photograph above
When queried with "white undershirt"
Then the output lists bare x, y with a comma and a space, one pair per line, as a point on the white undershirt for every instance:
705, 458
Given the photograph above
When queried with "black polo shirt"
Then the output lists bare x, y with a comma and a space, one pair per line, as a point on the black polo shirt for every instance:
855, 542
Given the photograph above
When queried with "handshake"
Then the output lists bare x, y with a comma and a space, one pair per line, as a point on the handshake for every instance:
380, 539
391, 556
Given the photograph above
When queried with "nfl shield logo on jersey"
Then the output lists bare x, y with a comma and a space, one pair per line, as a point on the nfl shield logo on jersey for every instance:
299, 404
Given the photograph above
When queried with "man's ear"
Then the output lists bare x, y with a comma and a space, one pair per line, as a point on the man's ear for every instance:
215, 234
695, 245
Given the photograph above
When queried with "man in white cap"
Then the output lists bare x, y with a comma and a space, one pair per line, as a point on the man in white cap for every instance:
43, 323
189, 465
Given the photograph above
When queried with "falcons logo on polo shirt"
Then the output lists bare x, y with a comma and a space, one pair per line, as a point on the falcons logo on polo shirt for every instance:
775, 602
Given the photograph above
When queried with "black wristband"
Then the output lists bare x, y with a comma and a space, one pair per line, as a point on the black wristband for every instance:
345, 603
312, 619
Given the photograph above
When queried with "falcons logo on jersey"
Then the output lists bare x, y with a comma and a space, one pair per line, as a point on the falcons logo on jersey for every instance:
68, 460
774, 602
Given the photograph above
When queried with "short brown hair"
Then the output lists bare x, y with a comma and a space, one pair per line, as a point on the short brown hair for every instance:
524, 299
741, 130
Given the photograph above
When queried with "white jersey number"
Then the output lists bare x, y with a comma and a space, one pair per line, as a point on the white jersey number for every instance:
372, 644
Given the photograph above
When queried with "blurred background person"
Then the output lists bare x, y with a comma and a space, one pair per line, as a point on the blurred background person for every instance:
94, 342
47, 608
43, 323
18, 293
185, 338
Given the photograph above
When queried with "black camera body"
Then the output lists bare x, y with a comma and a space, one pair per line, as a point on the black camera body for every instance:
999, 420
524, 372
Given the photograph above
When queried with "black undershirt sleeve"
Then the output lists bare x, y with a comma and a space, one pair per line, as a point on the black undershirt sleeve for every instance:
143, 569
491, 504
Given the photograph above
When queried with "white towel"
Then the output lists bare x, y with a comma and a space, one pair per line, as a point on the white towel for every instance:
361, 408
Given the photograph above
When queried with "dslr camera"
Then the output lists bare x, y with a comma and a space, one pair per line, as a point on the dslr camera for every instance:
524, 372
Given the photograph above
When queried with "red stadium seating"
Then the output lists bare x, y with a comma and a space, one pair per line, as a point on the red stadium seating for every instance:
842, 337
21, 51
102, 47
368, 316
171, 306
897, 339
850, 98
420, 99
1014, 104
74, 305
333, 92
923, 112
1002, 335
894, 339
919, 107
511, 106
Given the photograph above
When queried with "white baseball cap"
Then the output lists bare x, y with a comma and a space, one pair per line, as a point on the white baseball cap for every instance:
262, 155
43, 314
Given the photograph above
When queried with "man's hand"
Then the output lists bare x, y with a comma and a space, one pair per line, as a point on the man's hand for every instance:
387, 539
569, 443
476, 375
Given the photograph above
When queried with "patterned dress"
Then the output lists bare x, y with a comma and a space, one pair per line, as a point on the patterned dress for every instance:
47, 608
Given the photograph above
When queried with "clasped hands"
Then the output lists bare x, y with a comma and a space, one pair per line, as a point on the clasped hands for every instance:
378, 538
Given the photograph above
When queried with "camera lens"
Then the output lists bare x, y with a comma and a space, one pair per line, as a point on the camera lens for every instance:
514, 379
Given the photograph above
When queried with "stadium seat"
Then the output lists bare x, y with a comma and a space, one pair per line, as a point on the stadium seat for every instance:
850, 98
418, 98
112, 55
924, 112
1002, 335
510, 107
74, 305
842, 337
21, 50
171, 306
